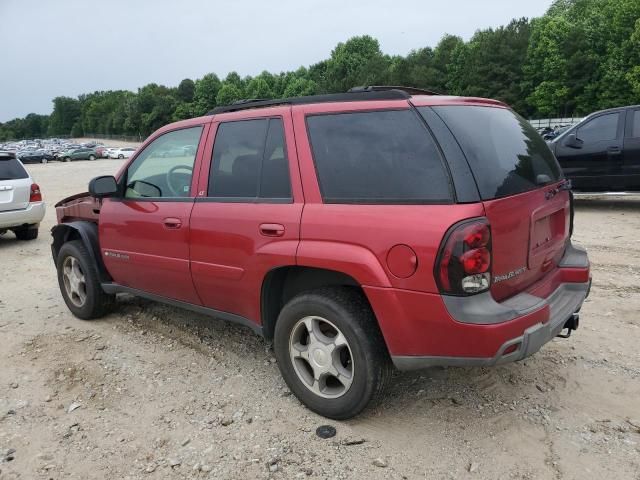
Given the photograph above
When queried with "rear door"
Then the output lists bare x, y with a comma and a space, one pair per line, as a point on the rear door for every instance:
246, 219
15, 184
594, 162
631, 151
518, 179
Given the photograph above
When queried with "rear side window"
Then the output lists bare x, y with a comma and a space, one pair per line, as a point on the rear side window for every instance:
506, 154
377, 157
602, 128
12, 169
250, 161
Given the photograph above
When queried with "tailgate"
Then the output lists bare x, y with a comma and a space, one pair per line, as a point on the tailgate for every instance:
529, 233
14, 194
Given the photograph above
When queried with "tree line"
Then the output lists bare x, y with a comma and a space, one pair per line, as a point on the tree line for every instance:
581, 56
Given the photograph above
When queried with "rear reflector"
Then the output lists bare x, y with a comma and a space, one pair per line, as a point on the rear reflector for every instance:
36, 195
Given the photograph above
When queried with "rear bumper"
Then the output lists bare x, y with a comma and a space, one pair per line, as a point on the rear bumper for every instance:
424, 330
564, 303
33, 214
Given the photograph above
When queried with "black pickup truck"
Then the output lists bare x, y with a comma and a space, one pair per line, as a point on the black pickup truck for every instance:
602, 152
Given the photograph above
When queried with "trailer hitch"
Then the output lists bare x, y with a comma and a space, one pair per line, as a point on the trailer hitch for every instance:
570, 325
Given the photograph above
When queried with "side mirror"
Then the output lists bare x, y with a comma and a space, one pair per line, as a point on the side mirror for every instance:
573, 141
104, 186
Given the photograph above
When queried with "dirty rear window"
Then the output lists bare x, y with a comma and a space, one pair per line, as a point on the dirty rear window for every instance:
505, 153
11, 169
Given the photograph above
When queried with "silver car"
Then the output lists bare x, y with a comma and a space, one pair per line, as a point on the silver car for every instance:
21, 205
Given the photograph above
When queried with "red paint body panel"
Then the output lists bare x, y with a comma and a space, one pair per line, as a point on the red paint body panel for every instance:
524, 236
417, 323
229, 254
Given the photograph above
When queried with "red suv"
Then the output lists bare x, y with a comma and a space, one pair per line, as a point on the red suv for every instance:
379, 227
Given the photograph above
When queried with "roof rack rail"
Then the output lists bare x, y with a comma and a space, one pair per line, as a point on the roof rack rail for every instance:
384, 88
356, 94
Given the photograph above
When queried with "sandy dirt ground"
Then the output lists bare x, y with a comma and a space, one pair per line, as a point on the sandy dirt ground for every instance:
151, 392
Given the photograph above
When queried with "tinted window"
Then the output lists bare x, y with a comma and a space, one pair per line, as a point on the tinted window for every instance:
377, 157
604, 127
636, 124
11, 169
250, 161
165, 167
505, 153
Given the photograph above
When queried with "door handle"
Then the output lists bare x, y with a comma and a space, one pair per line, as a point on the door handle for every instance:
172, 223
615, 150
272, 229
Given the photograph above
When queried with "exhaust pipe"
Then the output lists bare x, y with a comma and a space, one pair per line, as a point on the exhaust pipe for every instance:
572, 324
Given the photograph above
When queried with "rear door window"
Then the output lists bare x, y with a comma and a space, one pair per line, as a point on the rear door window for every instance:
506, 154
250, 161
377, 157
11, 169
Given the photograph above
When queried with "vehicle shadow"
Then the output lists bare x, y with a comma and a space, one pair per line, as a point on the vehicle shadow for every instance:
629, 204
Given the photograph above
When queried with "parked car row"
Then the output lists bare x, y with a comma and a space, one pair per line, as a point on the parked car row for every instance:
44, 151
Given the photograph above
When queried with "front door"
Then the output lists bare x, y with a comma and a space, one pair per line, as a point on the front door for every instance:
246, 219
144, 235
594, 161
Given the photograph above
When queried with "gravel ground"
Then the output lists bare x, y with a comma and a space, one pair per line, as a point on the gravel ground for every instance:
154, 392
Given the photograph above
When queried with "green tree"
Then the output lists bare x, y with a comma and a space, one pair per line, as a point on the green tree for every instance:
228, 94
66, 112
358, 61
186, 90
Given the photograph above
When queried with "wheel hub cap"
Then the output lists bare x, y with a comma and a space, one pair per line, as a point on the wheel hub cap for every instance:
74, 281
321, 357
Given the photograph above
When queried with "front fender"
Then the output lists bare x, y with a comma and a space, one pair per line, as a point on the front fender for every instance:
353, 260
87, 232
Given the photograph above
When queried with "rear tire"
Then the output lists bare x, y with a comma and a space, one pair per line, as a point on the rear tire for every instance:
79, 283
347, 364
67, 159
92, 158
26, 233
120, 156
44, 160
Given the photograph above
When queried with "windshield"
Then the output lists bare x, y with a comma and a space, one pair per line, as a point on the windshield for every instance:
506, 154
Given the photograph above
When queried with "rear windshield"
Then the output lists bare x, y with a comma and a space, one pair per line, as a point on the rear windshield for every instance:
377, 157
11, 169
505, 153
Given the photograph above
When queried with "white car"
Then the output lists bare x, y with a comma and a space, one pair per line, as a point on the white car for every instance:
21, 205
125, 152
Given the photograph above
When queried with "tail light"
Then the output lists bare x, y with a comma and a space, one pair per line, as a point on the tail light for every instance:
464, 261
36, 195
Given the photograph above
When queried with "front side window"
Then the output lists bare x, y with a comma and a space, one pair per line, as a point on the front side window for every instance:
250, 161
164, 169
377, 157
602, 128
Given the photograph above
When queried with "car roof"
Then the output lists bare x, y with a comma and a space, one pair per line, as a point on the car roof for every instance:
376, 94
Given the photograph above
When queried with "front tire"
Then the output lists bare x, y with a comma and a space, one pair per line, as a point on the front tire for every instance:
120, 156
79, 283
67, 159
330, 351
44, 160
92, 158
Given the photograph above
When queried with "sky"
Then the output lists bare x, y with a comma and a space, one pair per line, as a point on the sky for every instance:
50, 48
